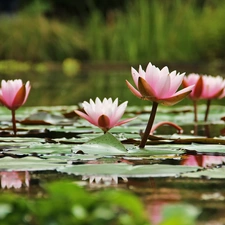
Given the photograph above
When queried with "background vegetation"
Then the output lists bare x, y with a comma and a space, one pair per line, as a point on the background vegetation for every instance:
125, 31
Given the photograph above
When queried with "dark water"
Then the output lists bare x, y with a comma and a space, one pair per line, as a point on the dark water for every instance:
55, 88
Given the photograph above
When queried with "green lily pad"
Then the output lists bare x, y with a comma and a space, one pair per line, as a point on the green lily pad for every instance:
71, 157
204, 148
215, 173
41, 149
124, 170
105, 144
28, 164
44, 118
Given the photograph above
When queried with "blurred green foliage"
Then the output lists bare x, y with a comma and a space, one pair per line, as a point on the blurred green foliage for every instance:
67, 203
64, 202
159, 31
30, 36
132, 31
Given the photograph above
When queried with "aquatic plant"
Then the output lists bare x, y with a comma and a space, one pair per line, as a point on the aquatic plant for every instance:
213, 87
66, 201
206, 87
104, 114
194, 79
189, 31
13, 94
158, 86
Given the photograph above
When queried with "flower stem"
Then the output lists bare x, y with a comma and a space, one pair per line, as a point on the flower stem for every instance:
14, 121
149, 125
178, 128
195, 111
207, 109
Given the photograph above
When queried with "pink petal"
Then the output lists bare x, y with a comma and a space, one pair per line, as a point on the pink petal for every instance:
124, 121
145, 89
85, 116
135, 76
175, 98
19, 98
163, 87
118, 114
176, 81
133, 90
184, 90
28, 87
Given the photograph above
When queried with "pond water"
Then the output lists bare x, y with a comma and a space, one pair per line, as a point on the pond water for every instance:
201, 185
56, 88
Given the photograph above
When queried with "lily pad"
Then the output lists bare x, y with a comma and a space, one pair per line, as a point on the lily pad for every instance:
206, 149
28, 164
45, 118
215, 173
105, 144
124, 170
40, 149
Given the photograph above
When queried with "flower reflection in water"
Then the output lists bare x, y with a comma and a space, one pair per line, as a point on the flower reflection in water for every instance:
203, 160
105, 180
155, 212
14, 179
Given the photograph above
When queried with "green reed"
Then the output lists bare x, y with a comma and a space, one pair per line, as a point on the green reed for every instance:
36, 38
158, 31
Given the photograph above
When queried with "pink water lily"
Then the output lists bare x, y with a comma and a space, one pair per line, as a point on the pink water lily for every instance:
197, 80
213, 87
196, 94
104, 114
13, 94
158, 85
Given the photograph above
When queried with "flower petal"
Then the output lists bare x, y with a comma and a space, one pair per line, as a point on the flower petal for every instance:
28, 87
197, 92
19, 98
125, 121
145, 89
133, 90
104, 122
118, 112
175, 99
85, 116
135, 75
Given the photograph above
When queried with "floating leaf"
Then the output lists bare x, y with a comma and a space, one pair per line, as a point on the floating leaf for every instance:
124, 170
206, 148
28, 164
44, 118
215, 173
105, 144
40, 149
